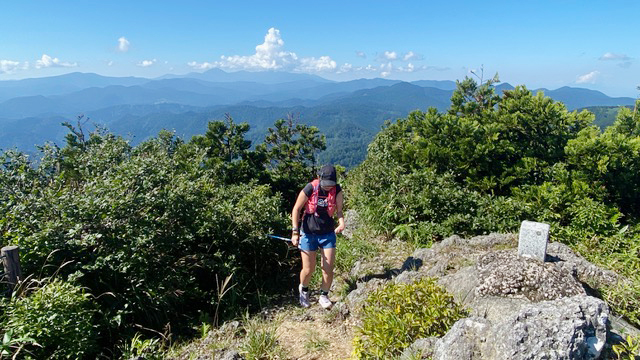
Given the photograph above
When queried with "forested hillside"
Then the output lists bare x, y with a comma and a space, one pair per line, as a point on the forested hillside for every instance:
349, 113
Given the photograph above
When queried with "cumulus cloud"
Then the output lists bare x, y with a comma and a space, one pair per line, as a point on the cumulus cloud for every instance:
589, 78
390, 55
270, 55
345, 68
614, 57
47, 61
146, 63
412, 56
324, 63
201, 66
123, 44
9, 67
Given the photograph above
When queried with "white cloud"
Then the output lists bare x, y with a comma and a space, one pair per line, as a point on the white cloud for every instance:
409, 68
390, 55
615, 57
345, 68
110, 63
123, 44
270, 55
361, 54
47, 61
412, 56
324, 63
201, 66
589, 78
8, 66
146, 63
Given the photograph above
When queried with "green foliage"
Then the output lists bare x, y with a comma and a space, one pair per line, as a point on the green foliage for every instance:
398, 314
314, 343
261, 339
56, 318
291, 150
139, 348
491, 162
227, 151
628, 349
11, 346
611, 160
604, 115
146, 228
472, 98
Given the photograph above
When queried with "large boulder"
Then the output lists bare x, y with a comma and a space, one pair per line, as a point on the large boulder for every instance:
568, 328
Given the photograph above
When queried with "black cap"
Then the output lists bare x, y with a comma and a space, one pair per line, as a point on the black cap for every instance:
327, 175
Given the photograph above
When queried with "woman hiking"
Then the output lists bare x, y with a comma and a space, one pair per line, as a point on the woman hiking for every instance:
321, 200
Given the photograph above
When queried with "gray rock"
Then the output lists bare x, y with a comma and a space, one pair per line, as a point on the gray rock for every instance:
585, 271
463, 341
357, 298
228, 355
567, 328
505, 274
352, 223
420, 349
462, 284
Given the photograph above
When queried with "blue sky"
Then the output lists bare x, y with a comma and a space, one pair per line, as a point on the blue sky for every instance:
549, 44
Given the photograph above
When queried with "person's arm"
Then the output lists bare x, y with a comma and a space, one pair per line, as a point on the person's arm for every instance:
339, 202
295, 217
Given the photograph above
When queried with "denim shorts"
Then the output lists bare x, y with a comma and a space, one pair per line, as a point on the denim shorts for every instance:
311, 242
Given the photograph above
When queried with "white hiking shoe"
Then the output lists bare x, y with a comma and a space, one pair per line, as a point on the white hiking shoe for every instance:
324, 301
304, 297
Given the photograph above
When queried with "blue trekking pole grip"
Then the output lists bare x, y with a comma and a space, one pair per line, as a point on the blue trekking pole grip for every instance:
279, 237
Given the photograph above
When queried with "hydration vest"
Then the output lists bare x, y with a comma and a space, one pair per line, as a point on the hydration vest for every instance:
312, 202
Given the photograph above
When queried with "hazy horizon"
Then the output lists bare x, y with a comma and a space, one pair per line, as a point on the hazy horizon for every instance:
541, 45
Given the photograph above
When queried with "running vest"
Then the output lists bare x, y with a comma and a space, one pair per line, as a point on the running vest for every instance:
312, 202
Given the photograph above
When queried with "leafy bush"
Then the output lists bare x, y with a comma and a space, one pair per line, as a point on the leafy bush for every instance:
629, 349
491, 162
59, 316
147, 228
398, 314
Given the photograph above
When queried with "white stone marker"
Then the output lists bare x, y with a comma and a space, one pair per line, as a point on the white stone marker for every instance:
533, 240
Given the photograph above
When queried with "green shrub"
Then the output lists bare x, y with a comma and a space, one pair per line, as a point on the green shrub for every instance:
398, 314
261, 339
628, 349
59, 316
139, 348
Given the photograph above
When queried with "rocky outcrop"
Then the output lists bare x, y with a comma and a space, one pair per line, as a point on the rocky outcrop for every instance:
504, 273
520, 308
568, 328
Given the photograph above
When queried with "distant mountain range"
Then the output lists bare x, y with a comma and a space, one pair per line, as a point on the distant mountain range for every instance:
349, 113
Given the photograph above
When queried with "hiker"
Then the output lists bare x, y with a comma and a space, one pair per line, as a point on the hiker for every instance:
321, 200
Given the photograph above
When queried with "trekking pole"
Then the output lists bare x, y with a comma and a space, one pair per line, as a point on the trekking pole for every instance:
279, 237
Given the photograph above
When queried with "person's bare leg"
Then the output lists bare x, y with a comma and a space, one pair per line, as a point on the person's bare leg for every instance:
308, 266
328, 261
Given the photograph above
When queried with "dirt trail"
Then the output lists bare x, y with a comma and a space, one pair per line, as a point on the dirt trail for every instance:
311, 335
305, 333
